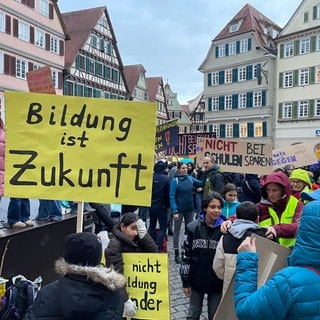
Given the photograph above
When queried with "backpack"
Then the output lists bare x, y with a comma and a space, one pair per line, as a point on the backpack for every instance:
208, 187
18, 298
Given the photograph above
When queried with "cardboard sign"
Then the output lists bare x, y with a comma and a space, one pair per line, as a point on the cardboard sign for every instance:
148, 284
299, 155
272, 258
188, 142
93, 150
40, 80
237, 155
167, 136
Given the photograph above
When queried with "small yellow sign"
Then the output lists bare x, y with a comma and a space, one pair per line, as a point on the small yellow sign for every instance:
85, 149
148, 284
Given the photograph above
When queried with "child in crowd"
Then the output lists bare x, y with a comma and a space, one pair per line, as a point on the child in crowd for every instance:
246, 223
198, 250
230, 201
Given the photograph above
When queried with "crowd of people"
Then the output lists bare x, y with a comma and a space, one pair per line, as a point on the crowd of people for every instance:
220, 218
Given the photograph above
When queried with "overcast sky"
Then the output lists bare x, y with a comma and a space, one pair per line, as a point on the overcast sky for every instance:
171, 38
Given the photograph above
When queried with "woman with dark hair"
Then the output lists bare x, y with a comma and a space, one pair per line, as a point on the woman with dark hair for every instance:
130, 235
230, 201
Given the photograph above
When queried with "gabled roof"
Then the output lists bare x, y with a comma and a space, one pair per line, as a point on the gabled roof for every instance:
132, 75
250, 19
153, 84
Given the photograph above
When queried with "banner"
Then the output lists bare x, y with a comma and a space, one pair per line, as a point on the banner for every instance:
242, 156
74, 148
167, 136
188, 142
40, 80
148, 284
299, 155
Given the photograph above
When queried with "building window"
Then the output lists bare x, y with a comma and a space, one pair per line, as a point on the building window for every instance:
44, 8
242, 102
317, 108
24, 33
88, 92
94, 41
54, 45
215, 78
216, 130
222, 50
303, 76
2, 22
242, 75
229, 130
99, 69
228, 102
232, 48
288, 50
257, 99
304, 45
21, 68
228, 76
91, 66
234, 27
55, 79
243, 130
306, 17
244, 45
81, 62
303, 109
288, 79
80, 90
318, 11
258, 129
215, 103
1, 62
40, 40
69, 86
287, 110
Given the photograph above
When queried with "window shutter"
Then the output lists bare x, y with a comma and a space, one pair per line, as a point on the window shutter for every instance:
209, 104
8, 24
312, 71
295, 78
249, 44
60, 80
30, 66
236, 130
61, 47
15, 28
210, 127
6, 64
249, 99
47, 41
314, 12
238, 47
221, 103
264, 129
77, 62
296, 45
227, 49
209, 79
281, 80
51, 11
249, 72
217, 52
31, 34
295, 109
235, 75
102, 45
12, 66
313, 43
280, 111
222, 130
221, 77
87, 64
264, 98
250, 129
311, 108
234, 101
281, 50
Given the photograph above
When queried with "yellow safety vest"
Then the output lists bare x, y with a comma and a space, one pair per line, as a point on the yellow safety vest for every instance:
286, 218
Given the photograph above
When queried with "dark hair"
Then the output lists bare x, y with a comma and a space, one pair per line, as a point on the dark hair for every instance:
209, 197
129, 218
247, 210
182, 163
227, 188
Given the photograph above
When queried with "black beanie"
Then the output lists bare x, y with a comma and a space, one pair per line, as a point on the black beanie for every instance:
83, 249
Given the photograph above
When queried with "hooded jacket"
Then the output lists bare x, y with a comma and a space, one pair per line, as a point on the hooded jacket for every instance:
160, 186
284, 230
250, 188
83, 292
302, 175
293, 292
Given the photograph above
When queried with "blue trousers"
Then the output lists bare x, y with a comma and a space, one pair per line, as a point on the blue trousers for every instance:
18, 210
49, 209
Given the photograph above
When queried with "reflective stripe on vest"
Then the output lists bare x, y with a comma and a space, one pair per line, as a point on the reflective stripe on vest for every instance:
286, 218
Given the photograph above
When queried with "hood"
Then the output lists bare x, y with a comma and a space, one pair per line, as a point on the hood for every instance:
214, 168
100, 274
306, 251
160, 166
276, 177
240, 226
301, 175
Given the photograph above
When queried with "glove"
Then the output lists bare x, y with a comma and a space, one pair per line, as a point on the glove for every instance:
129, 308
142, 230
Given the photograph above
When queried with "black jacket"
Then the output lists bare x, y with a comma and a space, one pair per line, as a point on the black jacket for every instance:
82, 293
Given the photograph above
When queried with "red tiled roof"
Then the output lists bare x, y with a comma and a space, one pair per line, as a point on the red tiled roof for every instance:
79, 25
132, 75
153, 86
250, 22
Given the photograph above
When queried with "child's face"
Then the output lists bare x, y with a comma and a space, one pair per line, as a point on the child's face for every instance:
231, 196
213, 211
131, 230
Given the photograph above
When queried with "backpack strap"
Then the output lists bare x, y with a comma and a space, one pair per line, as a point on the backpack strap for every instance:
313, 269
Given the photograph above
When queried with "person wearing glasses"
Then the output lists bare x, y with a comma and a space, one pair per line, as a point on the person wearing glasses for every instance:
300, 182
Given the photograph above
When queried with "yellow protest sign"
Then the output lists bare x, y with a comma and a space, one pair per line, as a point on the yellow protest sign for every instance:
243, 156
85, 149
148, 284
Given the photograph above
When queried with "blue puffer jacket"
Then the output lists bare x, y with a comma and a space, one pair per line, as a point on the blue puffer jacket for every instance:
293, 292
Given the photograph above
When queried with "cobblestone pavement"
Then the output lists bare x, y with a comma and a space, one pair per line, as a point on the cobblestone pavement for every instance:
179, 302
